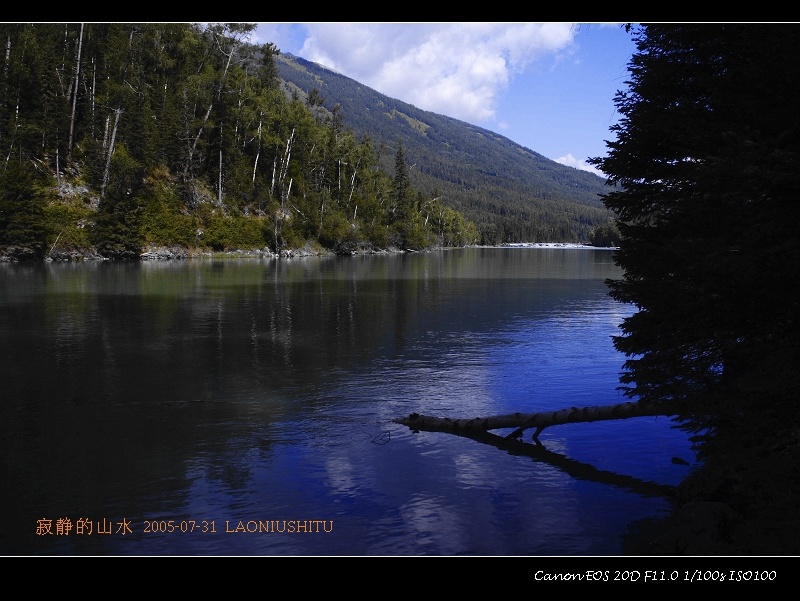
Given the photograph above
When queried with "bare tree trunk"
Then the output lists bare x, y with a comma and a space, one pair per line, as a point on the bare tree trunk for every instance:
75, 94
105, 133
193, 147
575, 469
258, 152
286, 156
8, 55
221, 84
219, 187
14, 130
353, 184
255, 167
284, 194
522, 421
283, 190
94, 91
219, 192
110, 152
272, 185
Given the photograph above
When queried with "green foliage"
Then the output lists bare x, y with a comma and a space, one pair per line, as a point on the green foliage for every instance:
412, 234
268, 71
401, 189
163, 223
22, 218
116, 233
184, 134
376, 234
337, 233
454, 230
68, 225
707, 164
510, 193
233, 233
605, 235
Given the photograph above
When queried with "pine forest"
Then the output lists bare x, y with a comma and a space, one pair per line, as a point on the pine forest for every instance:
118, 138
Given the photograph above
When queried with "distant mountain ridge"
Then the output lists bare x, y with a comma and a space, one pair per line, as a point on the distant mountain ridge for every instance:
510, 192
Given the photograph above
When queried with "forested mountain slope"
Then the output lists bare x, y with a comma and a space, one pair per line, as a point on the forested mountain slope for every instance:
121, 137
510, 192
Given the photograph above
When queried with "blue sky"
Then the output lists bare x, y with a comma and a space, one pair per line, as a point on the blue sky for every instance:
547, 86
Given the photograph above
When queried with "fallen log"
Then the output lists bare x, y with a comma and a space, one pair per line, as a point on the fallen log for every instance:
575, 469
523, 421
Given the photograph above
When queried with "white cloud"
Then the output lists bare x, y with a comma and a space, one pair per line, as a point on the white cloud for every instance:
571, 161
455, 69
541, 84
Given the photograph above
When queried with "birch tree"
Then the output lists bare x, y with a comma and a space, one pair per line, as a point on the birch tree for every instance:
75, 93
226, 39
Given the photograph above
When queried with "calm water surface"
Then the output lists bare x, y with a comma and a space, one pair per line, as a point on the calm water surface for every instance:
182, 405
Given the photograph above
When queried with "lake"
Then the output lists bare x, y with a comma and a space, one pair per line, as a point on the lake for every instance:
246, 407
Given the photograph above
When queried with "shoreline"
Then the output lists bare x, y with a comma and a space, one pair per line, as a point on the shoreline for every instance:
165, 253
550, 245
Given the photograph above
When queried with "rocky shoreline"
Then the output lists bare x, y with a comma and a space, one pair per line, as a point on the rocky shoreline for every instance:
15, 254
20, 255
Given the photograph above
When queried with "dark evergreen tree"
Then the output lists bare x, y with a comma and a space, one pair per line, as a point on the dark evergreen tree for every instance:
184, 134
116, 231
22, 230
314, 98
402, 183
605, 235
409, 229
707, 164
268, 70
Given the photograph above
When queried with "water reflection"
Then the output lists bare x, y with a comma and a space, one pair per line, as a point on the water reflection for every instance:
266, 389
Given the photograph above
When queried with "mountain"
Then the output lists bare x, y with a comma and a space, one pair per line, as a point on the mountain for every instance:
510, 192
